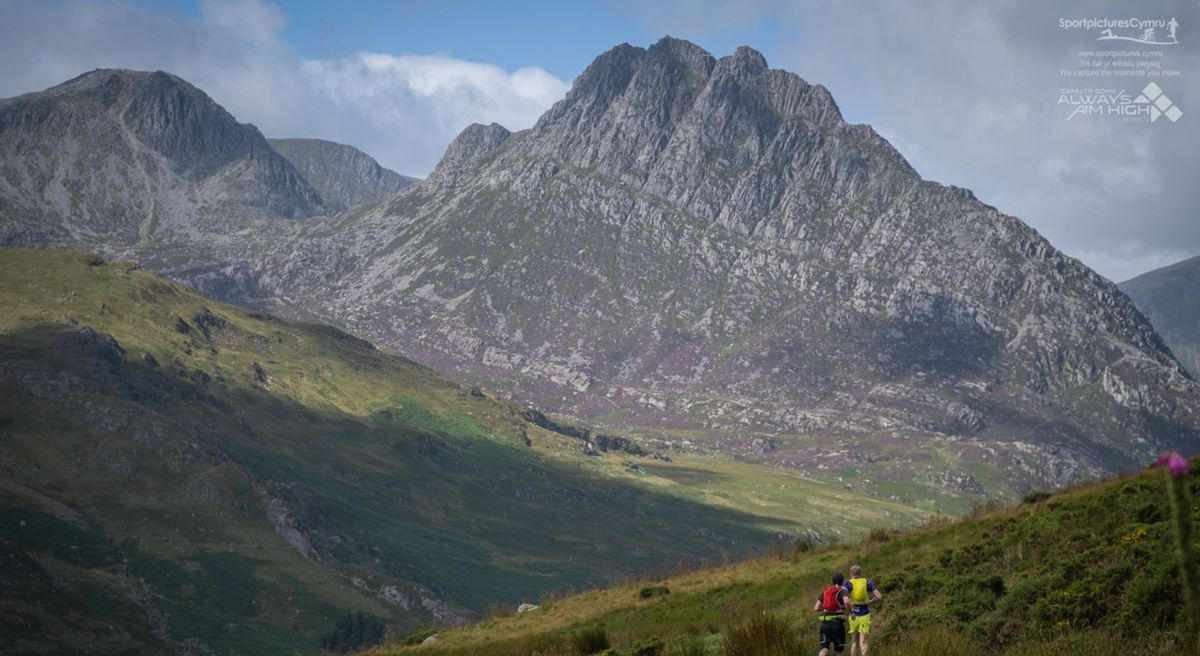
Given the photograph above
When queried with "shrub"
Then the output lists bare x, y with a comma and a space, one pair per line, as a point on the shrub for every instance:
544, 643
590, 640
881, 535
652, 646
497, 611
1034, 496
993, 584
688, 645
653, 591
764, 634
417, 637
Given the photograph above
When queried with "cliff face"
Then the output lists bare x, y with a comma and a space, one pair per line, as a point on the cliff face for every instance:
116, 158
704, 249
344, 175
700, 244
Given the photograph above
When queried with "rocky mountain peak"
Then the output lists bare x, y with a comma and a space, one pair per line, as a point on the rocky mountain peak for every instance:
168, 114
690, 243
344, 175
746, 60
467, 151
119, 158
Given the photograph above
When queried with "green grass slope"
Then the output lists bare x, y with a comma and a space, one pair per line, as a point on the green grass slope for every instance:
1089, 570
177, 474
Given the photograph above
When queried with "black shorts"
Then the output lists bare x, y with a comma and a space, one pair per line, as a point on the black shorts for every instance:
833, 634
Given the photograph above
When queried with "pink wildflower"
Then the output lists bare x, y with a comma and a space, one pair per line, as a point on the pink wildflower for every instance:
1178, 465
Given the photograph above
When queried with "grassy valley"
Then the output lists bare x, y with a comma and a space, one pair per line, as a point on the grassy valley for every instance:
178, 474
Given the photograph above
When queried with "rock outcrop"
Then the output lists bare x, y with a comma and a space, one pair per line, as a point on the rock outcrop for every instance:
706, 244
115, 158
687, 243
344, 175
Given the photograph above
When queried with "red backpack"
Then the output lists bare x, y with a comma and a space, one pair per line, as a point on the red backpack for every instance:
830, 601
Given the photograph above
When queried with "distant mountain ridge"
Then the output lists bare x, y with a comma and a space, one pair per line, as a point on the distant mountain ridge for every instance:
703, 250
120, 158
1170, 298
344, 175
703, 247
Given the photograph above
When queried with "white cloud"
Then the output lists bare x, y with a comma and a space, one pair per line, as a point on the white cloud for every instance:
418, 100
402, 109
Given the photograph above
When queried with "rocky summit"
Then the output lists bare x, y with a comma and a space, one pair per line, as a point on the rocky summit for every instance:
117, 158
344, 175
705, 251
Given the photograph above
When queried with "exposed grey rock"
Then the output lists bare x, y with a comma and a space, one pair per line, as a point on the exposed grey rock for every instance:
344, 175
396, 597
706, 244
526, 608
117, 159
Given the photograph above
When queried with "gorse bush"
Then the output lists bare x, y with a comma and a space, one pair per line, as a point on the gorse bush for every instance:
1035, 496
764, 634
590, 640
653, 591
652, 646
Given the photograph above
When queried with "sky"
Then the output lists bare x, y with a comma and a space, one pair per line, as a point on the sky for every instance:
972, 93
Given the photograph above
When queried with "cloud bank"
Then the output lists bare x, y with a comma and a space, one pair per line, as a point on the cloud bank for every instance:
401, 109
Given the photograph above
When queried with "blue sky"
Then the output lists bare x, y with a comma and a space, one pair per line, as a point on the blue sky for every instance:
560, 37
965, 90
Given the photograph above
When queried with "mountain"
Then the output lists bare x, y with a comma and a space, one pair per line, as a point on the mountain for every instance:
1170, 298
702, 252
1084, 571
117, 158
703, 249
178, 475
344, 175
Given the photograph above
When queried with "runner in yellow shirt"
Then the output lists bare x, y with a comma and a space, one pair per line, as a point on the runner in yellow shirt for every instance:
863, 593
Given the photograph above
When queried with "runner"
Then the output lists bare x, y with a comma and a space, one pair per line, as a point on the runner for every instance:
863, 593
831, 610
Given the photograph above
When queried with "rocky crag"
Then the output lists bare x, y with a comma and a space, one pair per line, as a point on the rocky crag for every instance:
704, 250
344, 175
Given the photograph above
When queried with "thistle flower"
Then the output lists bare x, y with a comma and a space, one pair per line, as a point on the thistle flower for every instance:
1180, 493
1178, 465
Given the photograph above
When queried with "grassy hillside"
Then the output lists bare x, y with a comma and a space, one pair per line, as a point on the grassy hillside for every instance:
1089, 570
176, 473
